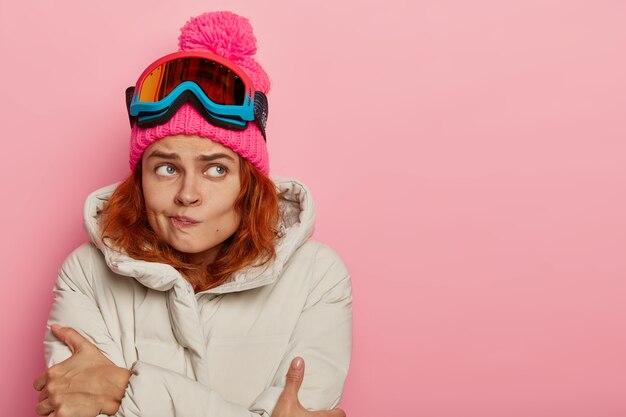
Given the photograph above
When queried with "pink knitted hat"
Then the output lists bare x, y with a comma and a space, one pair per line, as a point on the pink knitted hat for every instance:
230, 36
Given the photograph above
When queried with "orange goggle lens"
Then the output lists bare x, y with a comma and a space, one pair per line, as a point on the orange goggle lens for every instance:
219, 83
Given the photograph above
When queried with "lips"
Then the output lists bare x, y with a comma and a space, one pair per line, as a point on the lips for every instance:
180, 221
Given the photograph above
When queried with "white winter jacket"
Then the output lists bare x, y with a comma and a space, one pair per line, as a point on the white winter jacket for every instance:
223, 352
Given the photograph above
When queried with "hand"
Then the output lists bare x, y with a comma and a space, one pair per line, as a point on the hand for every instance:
84, 385
288, 404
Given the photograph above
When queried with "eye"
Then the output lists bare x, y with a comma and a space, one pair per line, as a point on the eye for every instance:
166, 170
216, 171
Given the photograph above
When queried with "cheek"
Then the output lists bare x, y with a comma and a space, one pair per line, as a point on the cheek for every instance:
154, 197
227, 213
155, 202
152, 214
227, 223
150, 204
225, 216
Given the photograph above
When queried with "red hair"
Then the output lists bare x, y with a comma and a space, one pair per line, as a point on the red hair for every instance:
124, 224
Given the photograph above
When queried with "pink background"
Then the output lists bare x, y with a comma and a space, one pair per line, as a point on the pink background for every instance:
468, 160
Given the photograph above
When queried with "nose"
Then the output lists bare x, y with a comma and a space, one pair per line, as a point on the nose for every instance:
188, 194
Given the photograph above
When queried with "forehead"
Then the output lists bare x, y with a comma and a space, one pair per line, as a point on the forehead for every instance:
189, 146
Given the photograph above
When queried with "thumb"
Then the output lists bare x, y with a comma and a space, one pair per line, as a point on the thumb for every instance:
295, 376
70, 337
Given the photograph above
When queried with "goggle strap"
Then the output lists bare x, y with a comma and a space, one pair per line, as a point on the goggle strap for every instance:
129, 97
261, 109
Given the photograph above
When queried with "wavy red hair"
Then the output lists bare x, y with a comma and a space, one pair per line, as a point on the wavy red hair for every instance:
124, 224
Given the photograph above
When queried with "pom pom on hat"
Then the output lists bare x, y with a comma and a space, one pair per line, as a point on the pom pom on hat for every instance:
223, 33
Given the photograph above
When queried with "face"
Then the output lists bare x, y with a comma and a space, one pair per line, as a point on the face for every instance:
190, 185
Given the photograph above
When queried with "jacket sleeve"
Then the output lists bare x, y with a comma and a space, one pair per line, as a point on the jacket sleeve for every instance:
158, 392
74, 306
322, 337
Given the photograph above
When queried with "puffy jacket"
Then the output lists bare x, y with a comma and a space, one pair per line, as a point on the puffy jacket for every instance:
223, 352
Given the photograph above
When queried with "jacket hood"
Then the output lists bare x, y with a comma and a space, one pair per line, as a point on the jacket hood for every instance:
296, 226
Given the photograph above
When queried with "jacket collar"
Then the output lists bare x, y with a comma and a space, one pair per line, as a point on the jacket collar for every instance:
296, 227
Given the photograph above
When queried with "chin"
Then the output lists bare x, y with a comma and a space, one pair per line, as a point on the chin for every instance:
189, 248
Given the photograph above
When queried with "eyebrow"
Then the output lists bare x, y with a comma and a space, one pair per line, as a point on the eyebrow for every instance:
212, 157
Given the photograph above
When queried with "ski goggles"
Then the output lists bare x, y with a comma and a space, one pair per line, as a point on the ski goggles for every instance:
221, 92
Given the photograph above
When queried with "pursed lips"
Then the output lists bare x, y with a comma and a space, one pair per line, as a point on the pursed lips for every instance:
181, 221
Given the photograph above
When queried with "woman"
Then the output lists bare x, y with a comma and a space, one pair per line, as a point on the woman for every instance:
200, 293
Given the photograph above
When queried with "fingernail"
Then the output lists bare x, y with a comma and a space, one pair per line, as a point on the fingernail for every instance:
297, 363
56, 327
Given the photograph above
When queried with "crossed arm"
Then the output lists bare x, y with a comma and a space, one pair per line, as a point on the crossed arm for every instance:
88, 384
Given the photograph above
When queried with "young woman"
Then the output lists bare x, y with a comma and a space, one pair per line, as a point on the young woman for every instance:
200, 293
